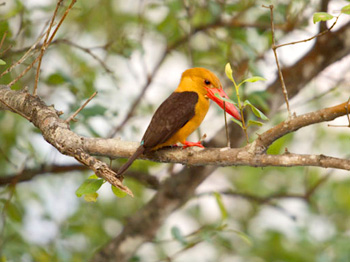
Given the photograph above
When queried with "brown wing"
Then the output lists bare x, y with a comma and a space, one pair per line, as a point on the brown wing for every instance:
171, 115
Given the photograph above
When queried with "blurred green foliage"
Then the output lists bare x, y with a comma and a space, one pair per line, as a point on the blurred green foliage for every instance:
199, 31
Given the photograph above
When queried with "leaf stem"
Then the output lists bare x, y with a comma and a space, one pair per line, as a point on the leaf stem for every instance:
241, 108
226, 127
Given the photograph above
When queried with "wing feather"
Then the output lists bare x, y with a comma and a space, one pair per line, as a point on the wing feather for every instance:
171, 115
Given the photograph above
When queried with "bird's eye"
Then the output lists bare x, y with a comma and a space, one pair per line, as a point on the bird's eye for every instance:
207, 82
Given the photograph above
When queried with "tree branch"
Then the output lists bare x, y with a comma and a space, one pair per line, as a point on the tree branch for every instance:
251, 155
28, 174
291, 125
56, 132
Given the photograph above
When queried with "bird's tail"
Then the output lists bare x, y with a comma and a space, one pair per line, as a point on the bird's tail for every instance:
137, 153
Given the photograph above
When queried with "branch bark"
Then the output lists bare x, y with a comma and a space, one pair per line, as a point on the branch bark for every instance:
58, 134
54, 169
55, 131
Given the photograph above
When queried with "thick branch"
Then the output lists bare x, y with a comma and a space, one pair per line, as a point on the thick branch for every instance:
28, 174
251, 155
55, 131
293, 124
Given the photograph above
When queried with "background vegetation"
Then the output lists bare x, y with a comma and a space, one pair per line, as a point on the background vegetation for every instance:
133, 53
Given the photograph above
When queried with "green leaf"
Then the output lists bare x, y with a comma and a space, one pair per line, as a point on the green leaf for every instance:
228, 72
221, 205
89, 186
255, 123
119, 193
91, 197
256, 111
176, 233
135, 259
237, 122
225, 99
345, 10
14, 212
94, 176
2, 62
278, 147
252, 80
57, 79
322, 16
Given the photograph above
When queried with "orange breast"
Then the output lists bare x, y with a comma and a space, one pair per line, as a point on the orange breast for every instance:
201, 110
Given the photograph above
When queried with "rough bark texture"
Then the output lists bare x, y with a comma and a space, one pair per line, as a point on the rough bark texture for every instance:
55, 131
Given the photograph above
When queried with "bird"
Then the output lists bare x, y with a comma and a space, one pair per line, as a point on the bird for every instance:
182, 113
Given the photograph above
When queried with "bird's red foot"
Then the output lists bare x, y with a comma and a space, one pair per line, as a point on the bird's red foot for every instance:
189, 144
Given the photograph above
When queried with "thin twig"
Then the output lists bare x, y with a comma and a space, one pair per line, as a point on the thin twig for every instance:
311, 38
2, 42
274, 48
43, 47
23, 58
80, 108
5, 50
23, 73
89, 52
48, 43
61, 21
3, 39
284, 89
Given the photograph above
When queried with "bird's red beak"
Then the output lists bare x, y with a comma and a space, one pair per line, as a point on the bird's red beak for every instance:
229, 107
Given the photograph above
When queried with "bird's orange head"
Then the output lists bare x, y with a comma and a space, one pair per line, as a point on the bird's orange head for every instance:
206, 83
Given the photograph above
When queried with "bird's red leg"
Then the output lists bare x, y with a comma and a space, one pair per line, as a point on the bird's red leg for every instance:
189, 144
